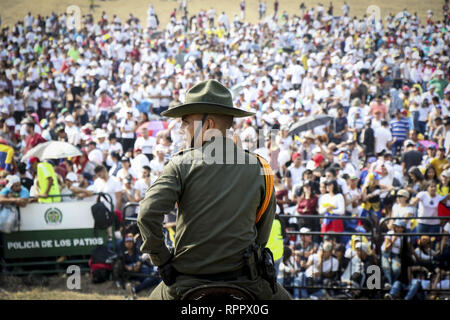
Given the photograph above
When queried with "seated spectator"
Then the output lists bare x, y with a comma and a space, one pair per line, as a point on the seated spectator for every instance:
128, 190
319, 267
355, 273
390, 253
72, 186
14, 193
417, 279
138, 270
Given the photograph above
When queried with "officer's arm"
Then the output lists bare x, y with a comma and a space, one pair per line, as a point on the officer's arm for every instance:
159, 200
264, 225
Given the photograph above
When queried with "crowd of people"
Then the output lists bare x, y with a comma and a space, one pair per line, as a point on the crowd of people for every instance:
384, 154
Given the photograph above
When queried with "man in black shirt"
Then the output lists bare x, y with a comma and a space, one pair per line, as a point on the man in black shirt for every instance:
340, 126
412, 157
368, 139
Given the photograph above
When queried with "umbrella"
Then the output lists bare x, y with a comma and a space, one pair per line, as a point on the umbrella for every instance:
427, 143
309, 123
153, 127
53, 150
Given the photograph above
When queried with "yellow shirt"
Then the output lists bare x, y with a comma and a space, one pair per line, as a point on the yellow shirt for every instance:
275, 242
438, 165
44, 171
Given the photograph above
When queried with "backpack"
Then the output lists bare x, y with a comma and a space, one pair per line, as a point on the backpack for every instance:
101, 264
9, 218
103, 217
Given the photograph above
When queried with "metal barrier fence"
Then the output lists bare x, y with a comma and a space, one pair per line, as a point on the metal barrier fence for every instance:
363, 274
425, 265
48, 264
309, 275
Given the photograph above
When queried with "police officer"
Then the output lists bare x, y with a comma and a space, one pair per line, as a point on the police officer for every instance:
220, 191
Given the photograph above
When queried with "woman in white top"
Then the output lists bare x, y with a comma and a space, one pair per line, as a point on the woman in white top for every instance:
332, 203
402, 209
428, 207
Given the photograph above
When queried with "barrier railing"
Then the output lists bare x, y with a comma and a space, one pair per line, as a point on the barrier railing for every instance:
47, 263
301, 285
421, 259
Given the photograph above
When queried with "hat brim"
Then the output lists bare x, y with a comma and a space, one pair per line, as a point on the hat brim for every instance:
201, 108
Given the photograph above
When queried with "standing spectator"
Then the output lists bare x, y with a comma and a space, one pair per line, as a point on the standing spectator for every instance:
383, 138
332, 203
368, 139
307, 205
242, 8
128, 128
412, 157
399, 127
440, 162
428, 207
33, 138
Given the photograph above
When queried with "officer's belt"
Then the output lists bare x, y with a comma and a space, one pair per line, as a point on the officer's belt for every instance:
223, 276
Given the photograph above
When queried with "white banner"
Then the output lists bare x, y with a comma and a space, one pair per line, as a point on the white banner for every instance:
57, 216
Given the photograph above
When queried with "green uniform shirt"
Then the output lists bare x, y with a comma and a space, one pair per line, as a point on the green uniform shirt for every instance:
217, 206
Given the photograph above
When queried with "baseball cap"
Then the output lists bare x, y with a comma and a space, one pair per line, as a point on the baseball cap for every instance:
364, 247
400, 223
304, 230
403, 193
295, 155
318, 158
327, 246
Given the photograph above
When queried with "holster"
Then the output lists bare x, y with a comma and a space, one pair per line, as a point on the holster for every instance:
167, 272
259, 262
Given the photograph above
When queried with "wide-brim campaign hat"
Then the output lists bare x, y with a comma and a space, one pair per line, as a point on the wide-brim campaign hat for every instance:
209, 97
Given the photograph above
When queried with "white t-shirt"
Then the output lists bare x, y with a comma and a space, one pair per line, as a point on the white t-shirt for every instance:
296, 174
396, 246
145, 144
127, 125
110, 187
330, 265
400, 212
156, 166
142, 187
382, 137
428, 207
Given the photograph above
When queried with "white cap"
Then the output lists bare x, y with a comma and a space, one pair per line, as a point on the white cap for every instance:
362, 246
304, 230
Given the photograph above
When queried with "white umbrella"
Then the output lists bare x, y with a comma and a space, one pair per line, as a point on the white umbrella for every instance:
53, 150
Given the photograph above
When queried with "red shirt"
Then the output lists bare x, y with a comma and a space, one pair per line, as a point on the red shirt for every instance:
32, 141
309, 204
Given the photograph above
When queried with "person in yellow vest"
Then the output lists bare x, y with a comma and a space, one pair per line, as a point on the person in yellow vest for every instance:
46, 182
275, 242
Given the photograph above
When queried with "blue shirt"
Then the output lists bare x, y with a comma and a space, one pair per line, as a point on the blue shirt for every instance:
399, 128
23, 193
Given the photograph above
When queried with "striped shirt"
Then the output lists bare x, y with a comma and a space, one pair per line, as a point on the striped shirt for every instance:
399, 128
